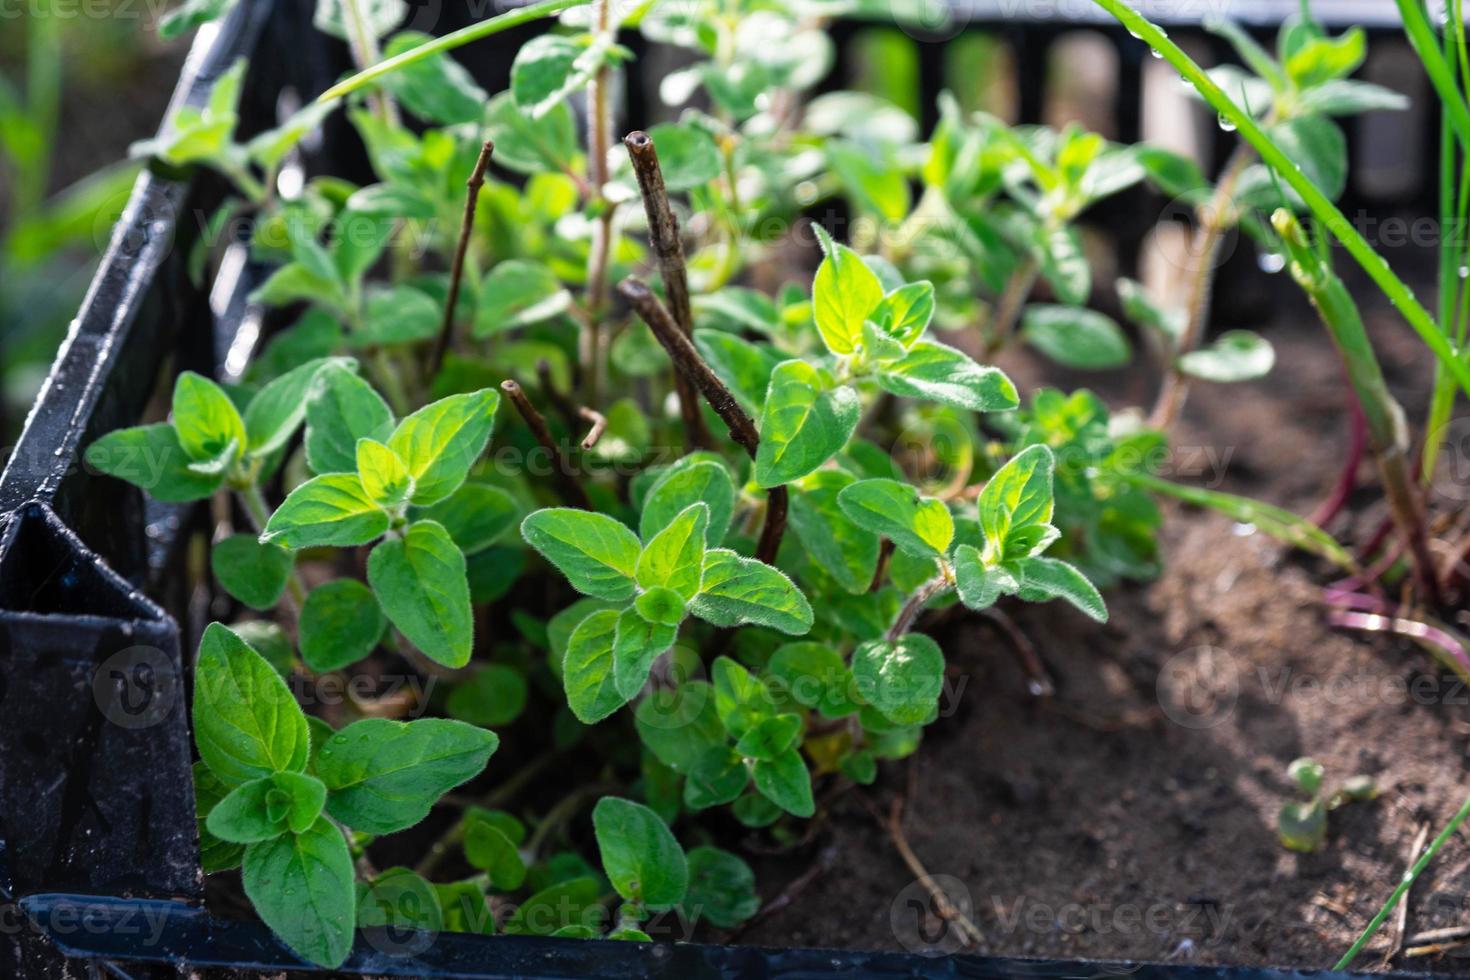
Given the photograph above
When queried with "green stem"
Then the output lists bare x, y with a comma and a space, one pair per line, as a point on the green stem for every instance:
259, 513
916, 602
1404, 886
1326, 212
1441, 76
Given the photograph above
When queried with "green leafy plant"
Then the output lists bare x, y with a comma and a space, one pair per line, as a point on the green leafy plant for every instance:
1302, 825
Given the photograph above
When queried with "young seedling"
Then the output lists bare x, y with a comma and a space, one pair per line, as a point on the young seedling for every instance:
1302, 824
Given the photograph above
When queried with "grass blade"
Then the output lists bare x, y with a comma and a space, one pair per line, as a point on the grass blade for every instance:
463, 36
1422, 37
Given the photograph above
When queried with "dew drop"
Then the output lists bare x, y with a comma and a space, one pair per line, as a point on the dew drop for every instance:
1271, 262
1227, 125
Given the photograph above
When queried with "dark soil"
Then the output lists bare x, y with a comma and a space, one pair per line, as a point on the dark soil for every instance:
1134, 815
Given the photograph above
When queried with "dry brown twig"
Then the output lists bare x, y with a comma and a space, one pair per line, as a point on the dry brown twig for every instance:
572, 489
456, 269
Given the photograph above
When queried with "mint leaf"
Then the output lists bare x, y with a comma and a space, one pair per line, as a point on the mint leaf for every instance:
597, 554
904, 314
1236, 355
1051, 578
550, 67
441, 441
278, 409
805, 422
420, 583
744, 367
785, 781
920, 526
901, 678
401, 899
721, 888
152, 458
841, 548
340, 625
587, 668
977, 583
285, 802
770, 737
942, 374
815, 676
252, 572
493, 696
717, 777
487, 847
740, 590
573, 902
1017, 496
332, 509
382, 776
302, 887
246, 723
642, 859
678, 726
342, 408
517, 293
844, 294
384, 476
674, 558
637, 643
689, 481
205, 419
741, 700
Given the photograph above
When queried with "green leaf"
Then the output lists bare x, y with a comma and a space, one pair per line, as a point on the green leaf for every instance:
815, 676
400, 899
1076, 337
597, 554
252, 572
674, 558
559, 905
1302, 827
740, 590
844, 294
942, 374
721, 889
684, 483
284, 802
587, 668
342, 408
437, 88
476, 515
341, 624
493, 696
441, 441
921, 526
642, 859
980, 584
382, 776
770, 737
718, 777
904, 314
1236, 355
741, 700
152, 458
744, 367
246, 723
1349, 98
843, 549
805, 422
1318, 147
487, 847
1051, 578
1064, 265
785, 781
1326, 59
302, 887
530, 145
687, 155
420, 582
397, 315
901, 678
332, 509
205, 419
191, 14
1018, 495
550, 67
379, 17
384, 476
518, 293
1141, 309
661, 605
637, 643
679, 726
276, 411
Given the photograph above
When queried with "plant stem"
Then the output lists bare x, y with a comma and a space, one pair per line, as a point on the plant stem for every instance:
599, 141
1215, 216
259, 513
598, 421
663, 232
456, 271
1387, 433
1441, 76
1325, 211
572, 488
916, 603
365, 51
1404, 885
1008, 310
691, 365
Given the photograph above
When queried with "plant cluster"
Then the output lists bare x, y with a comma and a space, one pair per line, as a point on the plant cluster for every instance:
740, 616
